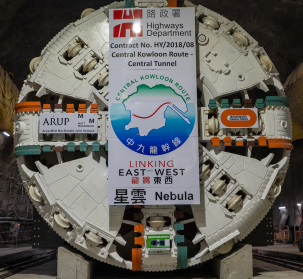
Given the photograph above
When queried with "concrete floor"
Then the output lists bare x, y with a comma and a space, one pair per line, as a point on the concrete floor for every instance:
285, 248
265, 270
44, 271
283, 251
262, 270
12, 249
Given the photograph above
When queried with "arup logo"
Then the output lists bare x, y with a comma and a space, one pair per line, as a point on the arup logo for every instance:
135, 28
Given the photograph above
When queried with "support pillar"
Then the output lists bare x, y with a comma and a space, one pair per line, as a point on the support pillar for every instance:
72, 265
237, 264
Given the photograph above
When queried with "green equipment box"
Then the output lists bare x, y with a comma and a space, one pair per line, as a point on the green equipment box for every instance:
158, 242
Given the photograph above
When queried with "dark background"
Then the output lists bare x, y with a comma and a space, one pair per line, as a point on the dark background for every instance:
26, 26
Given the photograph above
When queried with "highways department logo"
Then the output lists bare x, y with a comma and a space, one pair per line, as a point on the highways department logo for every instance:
153, 120
134, 27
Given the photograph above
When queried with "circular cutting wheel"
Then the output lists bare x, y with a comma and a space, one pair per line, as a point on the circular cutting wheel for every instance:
241, 170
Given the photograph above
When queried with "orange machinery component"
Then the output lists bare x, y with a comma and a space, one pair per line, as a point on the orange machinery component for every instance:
139, 240
82, 108
262, 141
139, 228
94, 108
227, 141
136, 259
239, 141
280, 143
27, 106
215, 141
70, 108
171, 3
46, 106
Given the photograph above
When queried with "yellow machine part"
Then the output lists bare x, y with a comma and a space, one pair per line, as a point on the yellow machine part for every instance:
297, 131
294, 91
8, 98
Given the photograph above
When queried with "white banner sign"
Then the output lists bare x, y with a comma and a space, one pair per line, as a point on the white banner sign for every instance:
73, 123
153, 136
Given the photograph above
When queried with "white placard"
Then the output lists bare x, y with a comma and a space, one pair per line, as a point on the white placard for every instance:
238, 118
153, 135
153, 38
73, 123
